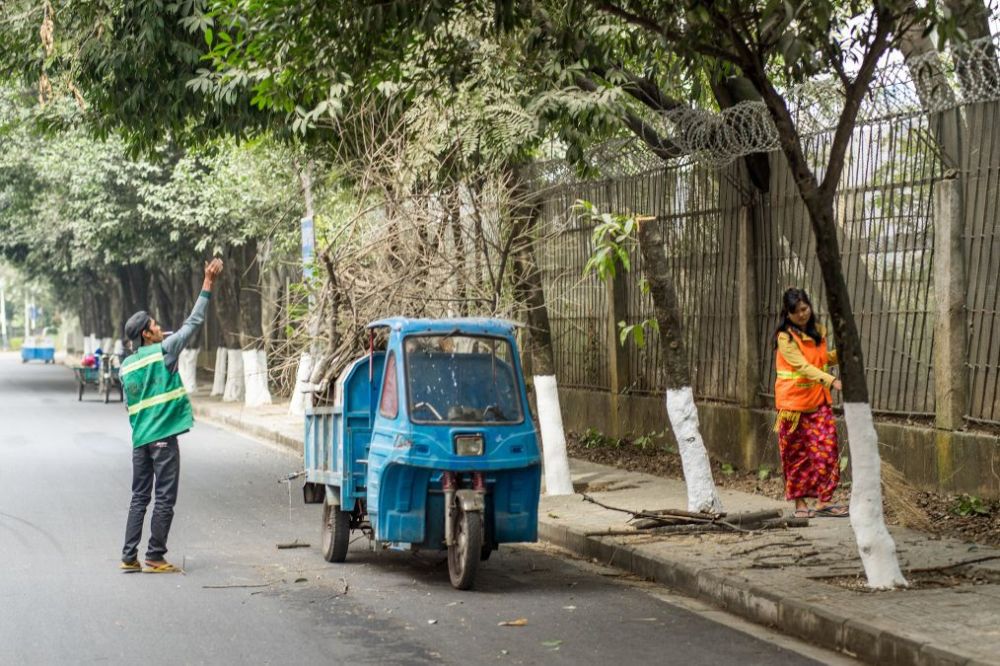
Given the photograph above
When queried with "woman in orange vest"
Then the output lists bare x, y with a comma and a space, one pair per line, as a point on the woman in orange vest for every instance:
807, 434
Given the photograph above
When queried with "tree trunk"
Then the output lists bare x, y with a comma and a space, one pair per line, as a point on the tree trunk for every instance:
681, 410
973, 17
227, 303
933, 89
228, 308
463, 276
134, 283
875, 544
527, 281
736, 89
250, 310
255, 378
87, 313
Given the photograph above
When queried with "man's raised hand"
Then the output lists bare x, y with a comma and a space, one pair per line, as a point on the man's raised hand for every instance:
212, 270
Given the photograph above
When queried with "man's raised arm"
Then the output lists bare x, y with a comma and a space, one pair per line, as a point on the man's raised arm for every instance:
173, 344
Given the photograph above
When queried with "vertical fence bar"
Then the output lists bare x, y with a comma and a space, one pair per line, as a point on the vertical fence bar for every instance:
747, 367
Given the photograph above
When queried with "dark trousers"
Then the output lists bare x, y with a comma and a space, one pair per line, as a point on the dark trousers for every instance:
157, 464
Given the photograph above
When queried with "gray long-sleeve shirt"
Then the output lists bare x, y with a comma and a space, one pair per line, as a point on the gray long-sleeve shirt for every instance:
174, 344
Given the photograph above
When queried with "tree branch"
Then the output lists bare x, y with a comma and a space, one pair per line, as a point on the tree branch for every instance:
629, 17
642, 89
668, 35
854, 94
661, 147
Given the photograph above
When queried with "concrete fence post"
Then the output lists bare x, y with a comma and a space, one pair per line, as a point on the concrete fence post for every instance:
950, 372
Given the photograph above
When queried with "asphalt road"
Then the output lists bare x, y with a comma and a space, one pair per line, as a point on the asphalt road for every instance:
65, 475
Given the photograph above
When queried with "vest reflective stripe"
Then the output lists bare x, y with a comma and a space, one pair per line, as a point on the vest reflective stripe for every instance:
152, 358
157, 400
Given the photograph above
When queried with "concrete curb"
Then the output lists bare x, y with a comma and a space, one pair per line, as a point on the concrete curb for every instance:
819, 625
262, 432
865, 639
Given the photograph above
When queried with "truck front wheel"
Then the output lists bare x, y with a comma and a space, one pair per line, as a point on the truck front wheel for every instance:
465, 549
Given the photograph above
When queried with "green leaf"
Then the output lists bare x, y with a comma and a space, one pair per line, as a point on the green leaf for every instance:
640, 336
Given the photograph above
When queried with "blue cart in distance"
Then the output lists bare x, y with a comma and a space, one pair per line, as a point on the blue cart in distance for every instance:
428, 445
38, 349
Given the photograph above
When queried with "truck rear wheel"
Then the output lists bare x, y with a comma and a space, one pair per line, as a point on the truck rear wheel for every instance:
465, 549
336, 533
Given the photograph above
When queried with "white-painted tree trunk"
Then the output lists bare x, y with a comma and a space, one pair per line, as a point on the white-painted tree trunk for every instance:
683, 415
187, 367
557, 478
875, 544
255, 378
234, 390
219, 378
297, 406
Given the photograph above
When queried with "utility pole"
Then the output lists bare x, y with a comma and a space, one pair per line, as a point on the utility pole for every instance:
308, 231
300, 401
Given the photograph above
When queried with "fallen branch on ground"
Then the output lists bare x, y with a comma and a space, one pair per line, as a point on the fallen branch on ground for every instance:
659, 520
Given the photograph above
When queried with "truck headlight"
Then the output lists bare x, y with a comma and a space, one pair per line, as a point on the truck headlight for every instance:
468, 445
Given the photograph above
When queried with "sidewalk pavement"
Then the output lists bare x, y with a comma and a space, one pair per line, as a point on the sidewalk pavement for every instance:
778, 578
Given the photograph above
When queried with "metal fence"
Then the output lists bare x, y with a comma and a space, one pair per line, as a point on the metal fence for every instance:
884, 211
577, 304
980, 169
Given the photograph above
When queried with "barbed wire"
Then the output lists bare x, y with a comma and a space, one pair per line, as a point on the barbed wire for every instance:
929, 84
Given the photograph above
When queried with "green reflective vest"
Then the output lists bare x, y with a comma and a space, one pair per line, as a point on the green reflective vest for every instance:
158, 406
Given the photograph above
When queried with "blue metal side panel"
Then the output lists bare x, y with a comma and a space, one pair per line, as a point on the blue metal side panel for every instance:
318, 446
434, 526
402, 506
353, 424
515, 504
359, 434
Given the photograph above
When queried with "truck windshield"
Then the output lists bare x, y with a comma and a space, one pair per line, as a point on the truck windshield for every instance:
461, 379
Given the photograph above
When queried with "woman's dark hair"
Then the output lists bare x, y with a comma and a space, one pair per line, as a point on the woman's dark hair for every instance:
789, 303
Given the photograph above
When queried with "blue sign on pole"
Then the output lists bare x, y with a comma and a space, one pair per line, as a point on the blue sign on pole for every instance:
308, 247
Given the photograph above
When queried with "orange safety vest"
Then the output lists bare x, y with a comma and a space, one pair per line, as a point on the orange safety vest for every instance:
793, 391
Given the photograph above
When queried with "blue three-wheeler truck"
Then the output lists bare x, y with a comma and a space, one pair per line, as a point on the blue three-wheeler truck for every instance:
428, 445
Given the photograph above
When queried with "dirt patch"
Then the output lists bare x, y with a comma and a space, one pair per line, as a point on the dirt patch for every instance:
920, 580
963, 517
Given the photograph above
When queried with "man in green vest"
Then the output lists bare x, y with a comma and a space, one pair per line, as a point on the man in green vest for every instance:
159, 411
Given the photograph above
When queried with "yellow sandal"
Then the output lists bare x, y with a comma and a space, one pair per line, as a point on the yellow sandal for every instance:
163, 567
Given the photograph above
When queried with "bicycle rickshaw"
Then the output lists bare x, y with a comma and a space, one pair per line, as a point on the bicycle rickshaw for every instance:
101, 374
428, 445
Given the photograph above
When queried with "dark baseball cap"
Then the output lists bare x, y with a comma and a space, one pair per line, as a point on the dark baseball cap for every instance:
136, 324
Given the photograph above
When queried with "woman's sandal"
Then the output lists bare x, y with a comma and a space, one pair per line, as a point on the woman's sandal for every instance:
804, 513
834, 511
162, 567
